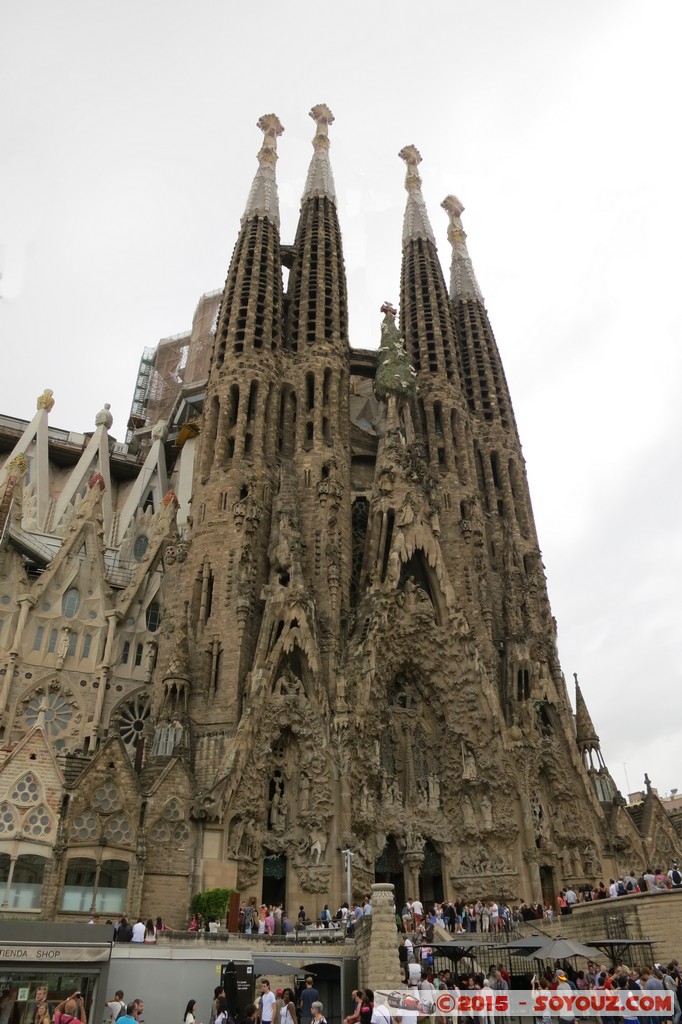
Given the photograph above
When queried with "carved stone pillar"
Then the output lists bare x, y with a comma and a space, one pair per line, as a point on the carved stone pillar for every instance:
382, 966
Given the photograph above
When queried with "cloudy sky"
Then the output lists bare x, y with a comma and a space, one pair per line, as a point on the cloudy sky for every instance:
127, 148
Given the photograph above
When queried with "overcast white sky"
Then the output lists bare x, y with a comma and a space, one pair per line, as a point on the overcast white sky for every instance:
127, 148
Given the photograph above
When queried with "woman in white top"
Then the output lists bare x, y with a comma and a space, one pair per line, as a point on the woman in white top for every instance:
190, 1017
287, 1009
150, 931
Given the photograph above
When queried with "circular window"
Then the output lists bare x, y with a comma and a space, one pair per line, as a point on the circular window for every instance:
85, 827
38, 823
140, 547
159, 832
71, 603
118, 829
181, 832
26, 790
106, 798
53, 705
7, 819
132, 720
6, 599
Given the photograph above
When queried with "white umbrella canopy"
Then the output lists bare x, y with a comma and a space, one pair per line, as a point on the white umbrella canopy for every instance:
564, 949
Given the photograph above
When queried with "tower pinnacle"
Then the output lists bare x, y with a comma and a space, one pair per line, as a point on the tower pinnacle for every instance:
463, 283
263, 201
586, 734
416, 223
320, 180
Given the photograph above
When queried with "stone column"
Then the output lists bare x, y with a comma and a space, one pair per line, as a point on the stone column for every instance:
382, 969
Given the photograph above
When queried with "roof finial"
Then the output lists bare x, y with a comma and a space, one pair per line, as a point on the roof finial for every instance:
463, 283
416, 223
320, 181
263, 201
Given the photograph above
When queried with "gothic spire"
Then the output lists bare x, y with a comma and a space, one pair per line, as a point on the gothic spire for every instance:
425, 313
320, 180
485, 386
586, 734
263, 200
416, 222
251, 311
463, 283
318, 310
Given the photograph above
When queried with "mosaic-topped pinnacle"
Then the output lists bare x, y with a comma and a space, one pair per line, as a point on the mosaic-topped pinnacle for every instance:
263, 200
320, 180
463, 283
416, 222
394, 375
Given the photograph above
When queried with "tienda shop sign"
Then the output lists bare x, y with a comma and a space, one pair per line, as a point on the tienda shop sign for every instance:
566, 1004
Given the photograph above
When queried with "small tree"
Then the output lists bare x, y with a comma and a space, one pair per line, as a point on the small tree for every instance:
212, 903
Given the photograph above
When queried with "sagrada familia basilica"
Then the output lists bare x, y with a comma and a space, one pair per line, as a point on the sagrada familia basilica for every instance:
300, 610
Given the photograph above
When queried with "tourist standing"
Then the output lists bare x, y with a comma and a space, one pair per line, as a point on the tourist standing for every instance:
266, 1003
116, 1005
190, 1014
309, 995
287, 1009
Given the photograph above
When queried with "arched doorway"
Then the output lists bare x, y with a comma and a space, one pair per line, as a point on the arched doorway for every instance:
431, 876
274, 879
389, 868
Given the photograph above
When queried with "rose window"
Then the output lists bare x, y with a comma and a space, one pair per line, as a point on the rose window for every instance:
159, 832
38, 822
27, 790
106, 798
52, 710
85, 827
132, 720
181, 832
118, 830
8, 821
173, 811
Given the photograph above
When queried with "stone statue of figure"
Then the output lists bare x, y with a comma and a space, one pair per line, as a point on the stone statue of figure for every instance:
304, 792
434, 793
469, 772
236, 838
468, 813
276, 807
486, 812
63, 645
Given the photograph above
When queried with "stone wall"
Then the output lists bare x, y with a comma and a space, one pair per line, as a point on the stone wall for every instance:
376, 943
653, 916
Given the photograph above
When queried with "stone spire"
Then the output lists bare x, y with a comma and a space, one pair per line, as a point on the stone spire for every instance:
263, 201
318, 303
251, 316
320, 180
463, 283
416, 223
425, 311
586, 734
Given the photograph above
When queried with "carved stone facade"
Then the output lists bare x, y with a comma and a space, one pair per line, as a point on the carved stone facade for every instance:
337, 635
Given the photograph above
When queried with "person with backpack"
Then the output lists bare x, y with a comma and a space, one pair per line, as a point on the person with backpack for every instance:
325, 915
675, 876
116, 1006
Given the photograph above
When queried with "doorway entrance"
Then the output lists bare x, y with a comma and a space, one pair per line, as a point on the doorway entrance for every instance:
547, 886
431, 876
274, 879
389, 868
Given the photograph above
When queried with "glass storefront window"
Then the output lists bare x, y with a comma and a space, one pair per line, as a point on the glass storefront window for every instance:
27, 882
113, 887
79, 884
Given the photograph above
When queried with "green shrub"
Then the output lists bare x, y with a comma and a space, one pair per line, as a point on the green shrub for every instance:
211, 904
